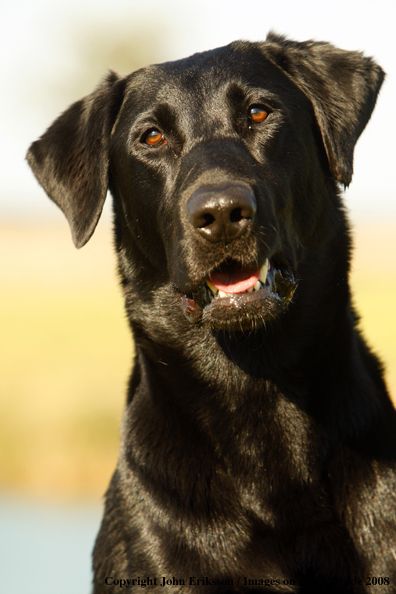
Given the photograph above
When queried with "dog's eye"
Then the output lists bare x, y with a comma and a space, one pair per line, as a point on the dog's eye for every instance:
154, 138
257, 114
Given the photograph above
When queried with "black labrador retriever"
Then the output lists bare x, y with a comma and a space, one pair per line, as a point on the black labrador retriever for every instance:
258, 441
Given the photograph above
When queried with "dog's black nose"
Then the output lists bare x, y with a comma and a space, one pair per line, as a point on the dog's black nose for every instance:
222, 213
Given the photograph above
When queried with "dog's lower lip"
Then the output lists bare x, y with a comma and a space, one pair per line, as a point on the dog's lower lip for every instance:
270, 294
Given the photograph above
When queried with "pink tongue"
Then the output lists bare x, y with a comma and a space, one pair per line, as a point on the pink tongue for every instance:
234, 282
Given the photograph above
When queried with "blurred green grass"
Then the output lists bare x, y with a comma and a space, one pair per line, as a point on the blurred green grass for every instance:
373, 282
66, 352
66, 355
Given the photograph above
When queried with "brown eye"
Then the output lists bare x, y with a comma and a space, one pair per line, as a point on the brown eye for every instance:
257, 114
154, 138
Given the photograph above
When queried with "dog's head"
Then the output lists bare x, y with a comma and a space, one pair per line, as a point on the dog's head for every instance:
223, 167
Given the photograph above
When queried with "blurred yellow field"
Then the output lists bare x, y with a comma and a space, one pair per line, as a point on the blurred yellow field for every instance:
66, 351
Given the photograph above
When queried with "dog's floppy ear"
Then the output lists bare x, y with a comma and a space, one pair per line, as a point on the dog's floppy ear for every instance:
70, 160
342, 87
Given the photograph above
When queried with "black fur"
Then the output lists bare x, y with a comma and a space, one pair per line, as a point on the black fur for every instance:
258, 440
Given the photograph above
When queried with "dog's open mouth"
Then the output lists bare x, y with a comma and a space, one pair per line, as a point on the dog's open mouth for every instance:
234, 298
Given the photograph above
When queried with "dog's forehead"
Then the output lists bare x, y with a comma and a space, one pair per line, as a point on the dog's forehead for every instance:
204, 74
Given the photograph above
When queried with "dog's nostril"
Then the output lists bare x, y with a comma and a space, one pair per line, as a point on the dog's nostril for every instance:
236, 215
208, 219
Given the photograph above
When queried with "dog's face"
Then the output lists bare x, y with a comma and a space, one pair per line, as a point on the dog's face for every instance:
200, 161
222, 166
224, 173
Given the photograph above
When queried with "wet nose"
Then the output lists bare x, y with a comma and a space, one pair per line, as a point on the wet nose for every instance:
222, 213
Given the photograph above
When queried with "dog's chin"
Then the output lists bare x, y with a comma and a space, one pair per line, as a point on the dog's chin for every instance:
242, 311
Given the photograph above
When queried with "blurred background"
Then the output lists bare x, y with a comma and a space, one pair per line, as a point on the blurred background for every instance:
65, 351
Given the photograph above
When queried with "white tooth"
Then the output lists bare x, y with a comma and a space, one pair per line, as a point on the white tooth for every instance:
257, 286
264, 272
251, 289
212, 287
222, 294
